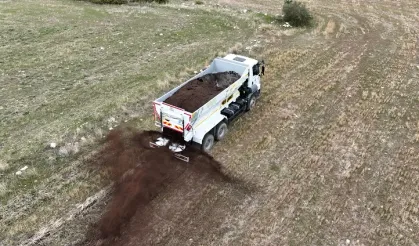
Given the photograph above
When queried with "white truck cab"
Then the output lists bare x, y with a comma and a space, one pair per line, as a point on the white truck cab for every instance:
254, 67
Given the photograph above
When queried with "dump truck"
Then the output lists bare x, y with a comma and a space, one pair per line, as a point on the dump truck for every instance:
199, 111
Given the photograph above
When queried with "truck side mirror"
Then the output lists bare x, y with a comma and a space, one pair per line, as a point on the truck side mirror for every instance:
263, 67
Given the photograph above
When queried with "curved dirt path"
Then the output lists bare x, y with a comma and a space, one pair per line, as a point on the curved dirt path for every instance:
331, 151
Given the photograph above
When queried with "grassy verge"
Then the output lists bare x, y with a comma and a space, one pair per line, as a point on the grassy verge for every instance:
70, 71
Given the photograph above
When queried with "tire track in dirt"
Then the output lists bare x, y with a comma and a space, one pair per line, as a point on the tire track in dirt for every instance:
333, 163
360, 121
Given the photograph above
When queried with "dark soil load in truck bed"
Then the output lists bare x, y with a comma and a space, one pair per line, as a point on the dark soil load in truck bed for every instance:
199, 91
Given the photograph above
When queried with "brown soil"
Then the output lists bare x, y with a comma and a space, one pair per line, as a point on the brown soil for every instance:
197, 92
139, 173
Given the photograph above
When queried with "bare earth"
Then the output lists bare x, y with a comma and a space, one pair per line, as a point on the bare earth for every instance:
330, 154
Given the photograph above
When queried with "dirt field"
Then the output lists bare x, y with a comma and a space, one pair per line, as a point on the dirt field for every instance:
329, 156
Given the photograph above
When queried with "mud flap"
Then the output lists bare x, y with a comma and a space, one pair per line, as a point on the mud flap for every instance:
182, 157
153, 145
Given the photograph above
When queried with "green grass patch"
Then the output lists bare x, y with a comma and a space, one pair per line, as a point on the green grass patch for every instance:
124, 1
268, 18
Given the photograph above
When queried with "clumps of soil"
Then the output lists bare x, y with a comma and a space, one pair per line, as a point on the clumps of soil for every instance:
139, 173
199, 91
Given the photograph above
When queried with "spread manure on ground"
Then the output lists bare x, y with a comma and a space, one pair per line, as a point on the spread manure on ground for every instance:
139, 173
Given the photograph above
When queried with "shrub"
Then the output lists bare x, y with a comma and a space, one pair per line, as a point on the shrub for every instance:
124, 1
107, 1
157, 1
198, 2
296, 13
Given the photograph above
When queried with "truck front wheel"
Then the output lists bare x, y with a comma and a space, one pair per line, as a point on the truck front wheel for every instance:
207, 142
251, 103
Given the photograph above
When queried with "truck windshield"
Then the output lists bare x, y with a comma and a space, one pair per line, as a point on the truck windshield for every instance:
256, 69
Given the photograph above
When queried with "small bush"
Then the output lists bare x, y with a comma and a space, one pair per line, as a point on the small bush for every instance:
157, 1
107, 1
296, 13
198, 2
125, 1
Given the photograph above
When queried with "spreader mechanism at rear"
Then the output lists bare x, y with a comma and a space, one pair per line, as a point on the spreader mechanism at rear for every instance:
174, 147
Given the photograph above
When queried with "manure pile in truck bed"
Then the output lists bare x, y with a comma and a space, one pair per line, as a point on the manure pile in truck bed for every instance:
199, 91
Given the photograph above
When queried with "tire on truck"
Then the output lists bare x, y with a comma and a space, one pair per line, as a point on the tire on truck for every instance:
251, 102
207, 142
221, 130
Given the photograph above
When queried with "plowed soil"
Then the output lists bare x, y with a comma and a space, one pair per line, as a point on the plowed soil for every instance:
335, 149
199, 91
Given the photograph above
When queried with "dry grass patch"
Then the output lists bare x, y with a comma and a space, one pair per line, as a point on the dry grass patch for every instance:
3, 188
3, 165
71, 66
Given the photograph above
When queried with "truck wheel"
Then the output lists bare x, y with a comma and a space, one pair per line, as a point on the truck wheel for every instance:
221, 131
207, 142
251, 103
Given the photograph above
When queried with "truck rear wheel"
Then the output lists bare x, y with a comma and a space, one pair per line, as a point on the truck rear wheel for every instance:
207, 142
221, 130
